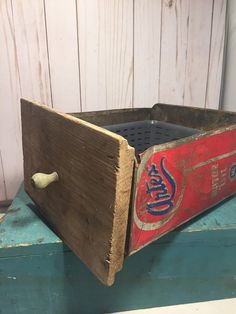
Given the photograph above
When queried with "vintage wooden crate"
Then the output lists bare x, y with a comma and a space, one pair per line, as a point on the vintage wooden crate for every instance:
107, 199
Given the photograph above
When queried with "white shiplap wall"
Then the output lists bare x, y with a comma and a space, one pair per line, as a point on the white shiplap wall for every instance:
229, 90
100, 54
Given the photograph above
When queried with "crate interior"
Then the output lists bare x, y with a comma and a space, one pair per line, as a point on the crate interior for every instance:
201, 119
145, 127
143, 134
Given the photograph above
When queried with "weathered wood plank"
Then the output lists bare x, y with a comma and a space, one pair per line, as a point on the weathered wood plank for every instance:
31, 49
216, 54
63, 53
201, 118
89, 205
106, 53
115, 116
147, 32
10, 139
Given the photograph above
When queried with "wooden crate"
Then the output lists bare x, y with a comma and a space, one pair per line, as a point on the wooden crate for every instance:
108, 201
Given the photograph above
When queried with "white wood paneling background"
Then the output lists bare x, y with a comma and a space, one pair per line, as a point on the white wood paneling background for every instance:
215, 66
100, 54
63, 54
147, 42
10, 92
229, 90
105, 31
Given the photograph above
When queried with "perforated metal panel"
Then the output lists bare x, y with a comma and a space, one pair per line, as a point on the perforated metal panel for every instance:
143, 134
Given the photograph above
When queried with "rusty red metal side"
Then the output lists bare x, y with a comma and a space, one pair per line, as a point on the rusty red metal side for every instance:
179, 180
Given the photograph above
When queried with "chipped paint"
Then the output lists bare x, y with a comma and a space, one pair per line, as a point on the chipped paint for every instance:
9, 277
16, 245
2, 217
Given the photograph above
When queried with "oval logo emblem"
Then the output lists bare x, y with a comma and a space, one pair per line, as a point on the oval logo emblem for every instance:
159, 193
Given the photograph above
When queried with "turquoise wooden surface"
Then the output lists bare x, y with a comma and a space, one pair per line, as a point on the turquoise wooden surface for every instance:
39, 274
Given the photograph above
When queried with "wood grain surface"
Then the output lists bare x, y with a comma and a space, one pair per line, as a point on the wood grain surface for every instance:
105, 30
174, 43
198, 118
63, 54
147, 42
31, 49
198, 47
10, 90
115, 116
216, 60
186, 35
89, 205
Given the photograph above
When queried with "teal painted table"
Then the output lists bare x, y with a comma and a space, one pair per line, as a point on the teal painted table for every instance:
39, 274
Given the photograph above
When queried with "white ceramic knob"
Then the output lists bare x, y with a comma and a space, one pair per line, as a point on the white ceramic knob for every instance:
42, 180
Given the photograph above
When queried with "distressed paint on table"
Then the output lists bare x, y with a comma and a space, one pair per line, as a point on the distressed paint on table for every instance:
194, 263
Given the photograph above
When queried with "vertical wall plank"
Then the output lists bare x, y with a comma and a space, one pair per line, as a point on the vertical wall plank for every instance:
185, 47
199, 36
31, 45
216, 54
106, 53
61, 24
229, 90
147, 32
174, 43
10, 139
3, 194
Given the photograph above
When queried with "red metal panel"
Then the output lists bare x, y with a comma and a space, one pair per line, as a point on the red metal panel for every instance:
177, 181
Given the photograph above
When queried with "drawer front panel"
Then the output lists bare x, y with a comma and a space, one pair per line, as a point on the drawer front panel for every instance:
88, 205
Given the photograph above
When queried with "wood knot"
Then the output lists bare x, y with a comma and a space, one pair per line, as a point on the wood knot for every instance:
169, 3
